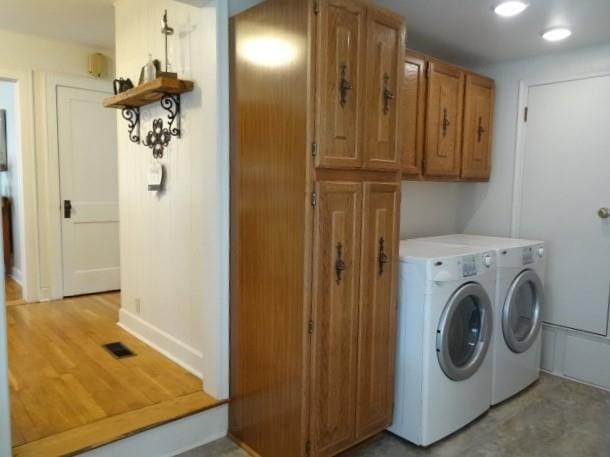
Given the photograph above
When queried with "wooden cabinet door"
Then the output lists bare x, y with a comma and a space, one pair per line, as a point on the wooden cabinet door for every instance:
336, 286
385, 47
340, 45
478, 123
444, 120
377, 316
412, 113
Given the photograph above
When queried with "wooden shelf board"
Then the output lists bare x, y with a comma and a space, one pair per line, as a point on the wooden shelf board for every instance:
149, 92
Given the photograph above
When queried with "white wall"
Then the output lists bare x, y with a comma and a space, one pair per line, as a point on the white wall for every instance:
38, 57
174, 244
10, 181
487, 209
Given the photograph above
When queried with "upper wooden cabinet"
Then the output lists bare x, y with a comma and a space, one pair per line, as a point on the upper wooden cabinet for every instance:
340, 83
454, 118
412, 113
359, 57
443, 120
478, 121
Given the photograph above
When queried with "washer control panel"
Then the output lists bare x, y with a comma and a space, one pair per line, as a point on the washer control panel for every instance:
463, 267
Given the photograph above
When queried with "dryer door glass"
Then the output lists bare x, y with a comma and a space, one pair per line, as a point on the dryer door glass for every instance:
463, 334
522, 311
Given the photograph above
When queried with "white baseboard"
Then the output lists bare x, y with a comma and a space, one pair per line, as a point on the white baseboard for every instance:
17, 275
172, 438
187, 357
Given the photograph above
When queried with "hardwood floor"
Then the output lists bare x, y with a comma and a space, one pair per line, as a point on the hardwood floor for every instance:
69, 394
13, 292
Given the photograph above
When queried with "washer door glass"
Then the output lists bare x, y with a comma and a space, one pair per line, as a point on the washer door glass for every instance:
463, 332
522, 311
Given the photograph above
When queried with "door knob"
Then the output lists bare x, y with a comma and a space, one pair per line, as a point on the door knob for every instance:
603, 213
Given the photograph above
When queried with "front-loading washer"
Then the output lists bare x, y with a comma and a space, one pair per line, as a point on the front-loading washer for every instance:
518, 308
443, 365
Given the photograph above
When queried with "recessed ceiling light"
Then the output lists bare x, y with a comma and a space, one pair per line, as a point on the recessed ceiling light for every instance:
510, 8
556, 34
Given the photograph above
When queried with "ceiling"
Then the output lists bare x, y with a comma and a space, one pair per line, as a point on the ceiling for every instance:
89, 22
468, 32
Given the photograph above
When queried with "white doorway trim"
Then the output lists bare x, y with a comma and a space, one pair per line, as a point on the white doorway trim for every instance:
521, 134
51, 82
28, 180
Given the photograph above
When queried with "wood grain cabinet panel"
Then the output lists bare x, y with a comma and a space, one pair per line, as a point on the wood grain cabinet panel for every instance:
478, 122
444, 120
377, 316
385, 38
335, 340
341, 34
412, 113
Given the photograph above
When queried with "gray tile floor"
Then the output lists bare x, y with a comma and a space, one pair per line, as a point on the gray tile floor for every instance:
553, 418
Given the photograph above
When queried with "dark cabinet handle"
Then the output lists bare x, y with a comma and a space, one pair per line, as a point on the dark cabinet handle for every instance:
340, 266
387, 94
383, 258
446, 122
480, 130
67, 209
344, 85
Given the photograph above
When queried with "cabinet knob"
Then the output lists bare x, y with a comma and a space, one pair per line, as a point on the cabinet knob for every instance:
340, 266
344, 85
387, 94
383, 257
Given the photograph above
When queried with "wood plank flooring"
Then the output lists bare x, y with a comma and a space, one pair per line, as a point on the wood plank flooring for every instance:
69, 394
13, 292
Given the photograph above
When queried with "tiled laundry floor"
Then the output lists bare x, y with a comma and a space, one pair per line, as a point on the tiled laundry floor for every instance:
553, 418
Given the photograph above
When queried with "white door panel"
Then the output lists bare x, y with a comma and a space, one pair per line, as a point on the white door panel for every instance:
89, 179
566, 179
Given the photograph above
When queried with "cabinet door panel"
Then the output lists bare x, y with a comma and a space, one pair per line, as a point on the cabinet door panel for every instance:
377, 316
336, 285
341, 46
412, 113
444, 120
478, 123
385, 38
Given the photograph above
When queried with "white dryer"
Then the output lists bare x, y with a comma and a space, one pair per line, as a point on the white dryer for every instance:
518, 309
443, 369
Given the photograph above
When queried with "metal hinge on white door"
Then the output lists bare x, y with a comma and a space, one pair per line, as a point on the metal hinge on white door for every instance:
525, 114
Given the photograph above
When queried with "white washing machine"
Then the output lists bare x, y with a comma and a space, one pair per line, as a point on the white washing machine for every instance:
517, 309
443, 366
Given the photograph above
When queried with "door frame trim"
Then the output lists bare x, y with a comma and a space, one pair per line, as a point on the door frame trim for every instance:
52, 205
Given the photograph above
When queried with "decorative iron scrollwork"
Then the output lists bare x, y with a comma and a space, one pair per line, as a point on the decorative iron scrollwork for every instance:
344, 85
480, 130
383, 258
171, 103
158, 138
387, 94
339, 264
446, 122
132, 116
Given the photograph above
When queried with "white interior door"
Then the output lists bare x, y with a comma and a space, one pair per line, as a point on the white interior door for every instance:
566, 180
89, 192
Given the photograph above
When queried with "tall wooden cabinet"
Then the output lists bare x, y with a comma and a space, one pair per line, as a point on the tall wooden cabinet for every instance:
451, 109
315, 198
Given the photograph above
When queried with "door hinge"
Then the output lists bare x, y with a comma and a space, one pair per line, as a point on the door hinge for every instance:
314, 149
428, 69
423, 164
310, 327
314, 199
525, 114
308, 447
316, 7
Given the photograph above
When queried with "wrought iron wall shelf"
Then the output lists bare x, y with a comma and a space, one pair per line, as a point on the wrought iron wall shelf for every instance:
165, 90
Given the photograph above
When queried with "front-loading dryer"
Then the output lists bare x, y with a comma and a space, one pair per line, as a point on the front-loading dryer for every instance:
443, 366
518, 309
